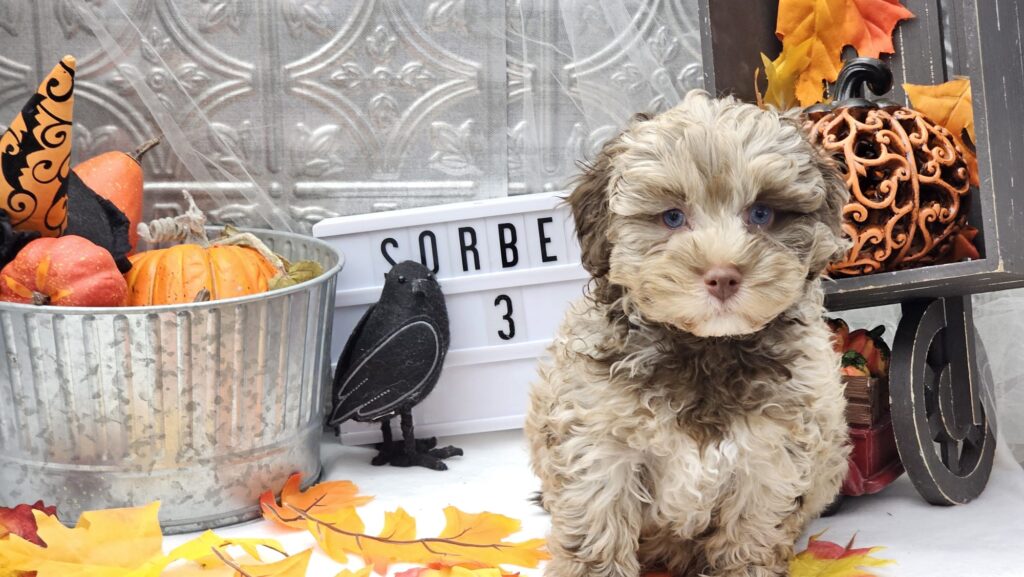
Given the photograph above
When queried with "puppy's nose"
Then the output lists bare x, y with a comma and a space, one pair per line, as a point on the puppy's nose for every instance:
722, 281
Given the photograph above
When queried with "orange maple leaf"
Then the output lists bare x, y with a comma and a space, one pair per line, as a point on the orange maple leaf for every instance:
829, 26
827, 559
322, 498
473, 541
951, 106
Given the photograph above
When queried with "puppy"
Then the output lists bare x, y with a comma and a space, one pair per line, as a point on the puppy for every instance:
691, 415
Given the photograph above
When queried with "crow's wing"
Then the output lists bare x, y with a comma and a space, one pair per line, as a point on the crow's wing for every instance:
393, 374
345, 362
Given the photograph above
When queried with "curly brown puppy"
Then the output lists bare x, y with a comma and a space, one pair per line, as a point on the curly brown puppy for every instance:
691, 416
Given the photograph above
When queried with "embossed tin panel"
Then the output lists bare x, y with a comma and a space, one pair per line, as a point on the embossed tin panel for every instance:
347, 106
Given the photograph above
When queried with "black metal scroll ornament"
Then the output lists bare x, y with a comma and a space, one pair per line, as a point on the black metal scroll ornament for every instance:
942, 417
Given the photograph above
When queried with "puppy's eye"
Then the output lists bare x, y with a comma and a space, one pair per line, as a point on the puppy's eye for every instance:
760, 215
673, 218
401, 279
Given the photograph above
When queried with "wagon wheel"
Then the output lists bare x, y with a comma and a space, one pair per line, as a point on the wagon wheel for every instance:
942, 412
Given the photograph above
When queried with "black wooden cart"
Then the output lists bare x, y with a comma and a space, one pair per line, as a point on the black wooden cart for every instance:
940, 396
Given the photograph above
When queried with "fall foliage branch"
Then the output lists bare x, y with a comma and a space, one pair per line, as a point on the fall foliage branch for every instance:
424, 542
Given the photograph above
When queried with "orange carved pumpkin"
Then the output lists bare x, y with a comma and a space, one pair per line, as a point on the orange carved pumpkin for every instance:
66, 271
190, 272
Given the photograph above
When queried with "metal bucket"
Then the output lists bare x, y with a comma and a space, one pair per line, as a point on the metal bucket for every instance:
201, 406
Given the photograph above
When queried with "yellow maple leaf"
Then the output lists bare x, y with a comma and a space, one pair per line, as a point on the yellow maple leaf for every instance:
245, 566
951, 106
108, 543
320, 499
829, 26
364, 572
781, 75
469, 540
204, 549
457, 571
826, 559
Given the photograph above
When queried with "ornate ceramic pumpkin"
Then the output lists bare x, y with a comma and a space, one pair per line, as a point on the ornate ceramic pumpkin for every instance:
907, 177
189, 272
66, 271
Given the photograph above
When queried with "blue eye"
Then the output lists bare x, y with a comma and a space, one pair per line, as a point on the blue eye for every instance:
673, 218
760, 215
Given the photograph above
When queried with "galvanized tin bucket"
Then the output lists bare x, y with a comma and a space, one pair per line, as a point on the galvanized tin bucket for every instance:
201, 406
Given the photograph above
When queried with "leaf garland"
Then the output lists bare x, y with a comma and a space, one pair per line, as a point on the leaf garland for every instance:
128, 543
468, 540
326, 496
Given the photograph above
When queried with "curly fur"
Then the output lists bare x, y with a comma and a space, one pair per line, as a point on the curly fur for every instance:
671, 430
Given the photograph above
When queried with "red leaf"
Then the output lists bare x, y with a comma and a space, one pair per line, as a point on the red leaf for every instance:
19, 521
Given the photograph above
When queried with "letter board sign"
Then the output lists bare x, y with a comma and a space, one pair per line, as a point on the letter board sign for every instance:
508, 267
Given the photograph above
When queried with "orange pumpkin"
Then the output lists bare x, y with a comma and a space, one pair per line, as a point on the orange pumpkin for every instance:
180, 274
65, 271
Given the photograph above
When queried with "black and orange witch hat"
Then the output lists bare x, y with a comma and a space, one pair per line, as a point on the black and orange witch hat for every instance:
35, 155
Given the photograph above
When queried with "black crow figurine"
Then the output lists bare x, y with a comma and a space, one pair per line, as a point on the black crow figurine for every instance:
392, 361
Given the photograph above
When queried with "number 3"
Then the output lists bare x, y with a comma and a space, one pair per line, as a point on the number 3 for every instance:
507, 317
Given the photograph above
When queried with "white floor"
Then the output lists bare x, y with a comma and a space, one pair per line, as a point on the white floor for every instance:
983, 539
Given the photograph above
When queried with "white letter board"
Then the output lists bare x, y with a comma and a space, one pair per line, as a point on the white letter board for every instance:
508, 267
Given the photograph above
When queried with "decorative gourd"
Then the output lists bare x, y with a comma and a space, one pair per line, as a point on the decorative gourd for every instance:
908, 180
181, 273
117, 177
35, 151
872, 348
237, 264
66, 271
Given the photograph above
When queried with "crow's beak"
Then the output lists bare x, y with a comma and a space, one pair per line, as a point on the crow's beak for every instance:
419, 286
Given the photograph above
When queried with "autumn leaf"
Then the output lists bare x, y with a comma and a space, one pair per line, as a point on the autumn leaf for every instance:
20, 521
826, 559
108, 543
319, 499
204, 548
474, 541
829, 26
364, 572
457, 571
781, 76
949, 105
224, 565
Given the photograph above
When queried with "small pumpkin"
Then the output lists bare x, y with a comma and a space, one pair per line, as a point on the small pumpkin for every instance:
65, 271
237, 264
180, 273
872, 348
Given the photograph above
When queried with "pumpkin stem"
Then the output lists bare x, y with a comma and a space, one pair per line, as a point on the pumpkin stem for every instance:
144, 148
189, 228
39, 299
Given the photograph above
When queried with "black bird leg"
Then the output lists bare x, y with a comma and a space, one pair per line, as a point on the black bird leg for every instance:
386, 448
412, 452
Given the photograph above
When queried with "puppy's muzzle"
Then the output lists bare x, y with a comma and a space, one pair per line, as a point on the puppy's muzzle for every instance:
723, 281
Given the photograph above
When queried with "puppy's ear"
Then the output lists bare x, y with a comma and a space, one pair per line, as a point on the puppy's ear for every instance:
837, 195
589, 203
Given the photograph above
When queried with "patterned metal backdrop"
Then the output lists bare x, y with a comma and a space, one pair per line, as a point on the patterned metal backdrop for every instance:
343, 106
